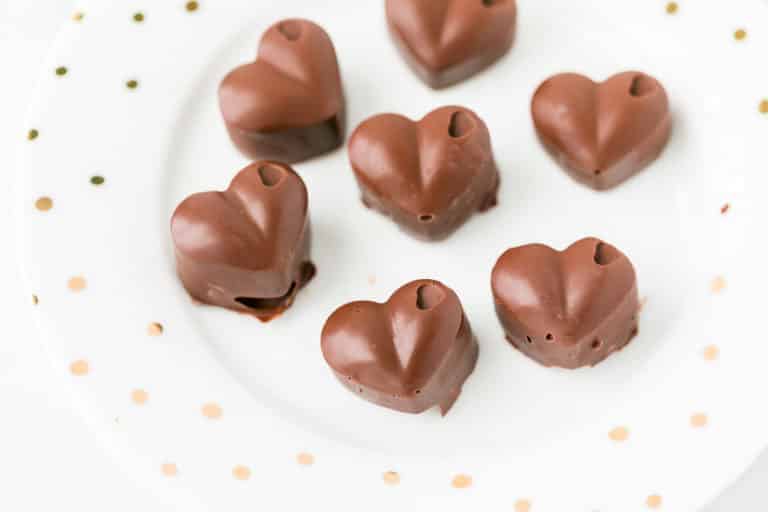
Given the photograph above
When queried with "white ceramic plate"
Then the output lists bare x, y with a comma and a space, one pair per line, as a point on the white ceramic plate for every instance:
525, 435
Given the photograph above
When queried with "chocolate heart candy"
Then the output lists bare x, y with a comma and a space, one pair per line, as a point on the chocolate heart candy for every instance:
409, 354
246, 248
446, 41
429, 176
288, 105
571, 308
602, 133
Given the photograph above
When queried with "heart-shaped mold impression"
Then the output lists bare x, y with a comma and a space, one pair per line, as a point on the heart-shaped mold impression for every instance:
246, 248
287, 105
409, 354
568, 308
602, 133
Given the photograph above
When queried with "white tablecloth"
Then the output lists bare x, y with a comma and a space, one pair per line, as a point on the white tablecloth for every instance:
48, 458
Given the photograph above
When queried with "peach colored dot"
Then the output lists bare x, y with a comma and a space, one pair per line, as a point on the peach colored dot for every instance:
711, 353
763, 107
76, 284
44, 204
241, 472
139, 396
522, 506
718, 284
461, 481
740, 34
653, 501
305, 459
699, 420
212, 411
619, 434
391, 477
79, 368
672, 7
169, 469
155, 329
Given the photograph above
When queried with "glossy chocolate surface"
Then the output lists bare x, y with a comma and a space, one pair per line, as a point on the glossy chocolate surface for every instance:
428, 176
568, 308
447, 41
604, 133
288, 105
409, 354
246, 248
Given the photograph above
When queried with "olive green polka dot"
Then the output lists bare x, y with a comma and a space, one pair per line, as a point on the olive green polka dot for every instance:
132, 84
32, 134
61, 71
138, 17
97, 180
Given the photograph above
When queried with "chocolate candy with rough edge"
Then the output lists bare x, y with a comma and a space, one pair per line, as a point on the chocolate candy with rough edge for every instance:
604, 133
568, 308
288, 105
428, 176
409, 354
246, 248
447, 41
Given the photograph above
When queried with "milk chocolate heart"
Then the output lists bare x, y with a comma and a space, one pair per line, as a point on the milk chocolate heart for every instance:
246, 248
571, 308
288, 105
429, 176
446, 41
602, 133
409, 354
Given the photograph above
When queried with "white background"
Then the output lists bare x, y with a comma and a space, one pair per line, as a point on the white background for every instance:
48, 458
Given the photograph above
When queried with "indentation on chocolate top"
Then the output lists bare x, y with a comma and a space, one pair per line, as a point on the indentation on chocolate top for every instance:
605, 254
460, 125
641, 85
271, 175
266, 303
596, 344
426, 218
290, 29
490, 3
428, 296
549, 337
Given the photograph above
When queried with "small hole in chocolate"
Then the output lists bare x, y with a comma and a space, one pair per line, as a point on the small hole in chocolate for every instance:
270, 175
428, 296
265, 303
605, 254
490, 3
460, 125
418, 391
596, 344
528, 339
598, 172
550, 337
291, 30
633, 332
641, 85
360, 390
426, 218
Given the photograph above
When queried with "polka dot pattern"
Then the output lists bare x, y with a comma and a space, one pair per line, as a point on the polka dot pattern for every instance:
461, 481
79, 368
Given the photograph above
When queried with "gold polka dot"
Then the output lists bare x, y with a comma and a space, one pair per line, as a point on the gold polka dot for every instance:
391, 477
653, 501
241, 472
132, 84
44, 204
35, 300
169, 469
78, 16
32, 134
740, 34
718, 284
522, 506
138, 17
192, 6
212, 411
763, 107
77, 284
619, 434
672, 7
711, 353
79, 368
699, 420
461, 481
155, 329
305, 459
139, 396
61, 71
